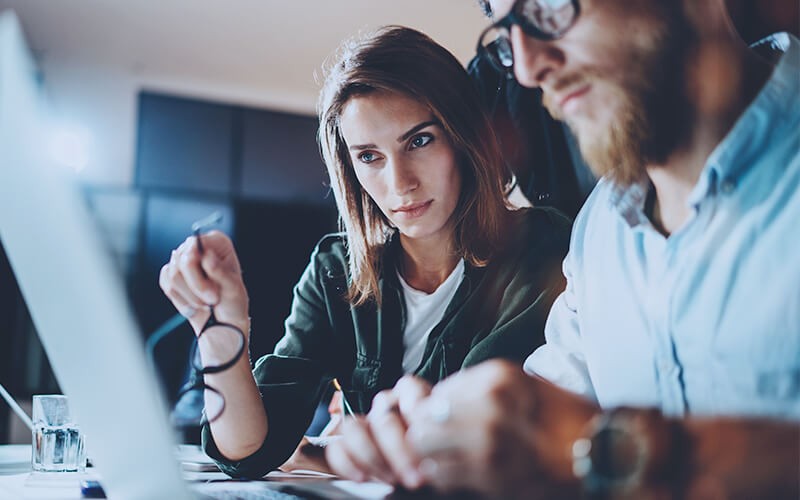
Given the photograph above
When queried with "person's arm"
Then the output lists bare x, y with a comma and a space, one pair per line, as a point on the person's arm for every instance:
192, 280
492, 429
288, 382
743, 458
268, 409
242, 426
638, 453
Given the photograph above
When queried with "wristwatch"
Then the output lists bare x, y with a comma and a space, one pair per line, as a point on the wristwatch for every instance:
626, 449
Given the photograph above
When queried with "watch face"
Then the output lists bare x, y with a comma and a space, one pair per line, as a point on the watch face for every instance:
616, 455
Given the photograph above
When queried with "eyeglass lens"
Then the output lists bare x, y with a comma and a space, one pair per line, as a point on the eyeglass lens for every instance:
543, 19
221, 344
197, 403
551, 17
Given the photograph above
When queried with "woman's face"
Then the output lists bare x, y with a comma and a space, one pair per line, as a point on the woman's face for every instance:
405, 162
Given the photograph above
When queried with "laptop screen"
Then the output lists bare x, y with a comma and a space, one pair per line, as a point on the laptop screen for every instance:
75, 296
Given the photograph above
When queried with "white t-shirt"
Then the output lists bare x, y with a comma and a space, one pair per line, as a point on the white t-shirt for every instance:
423, 312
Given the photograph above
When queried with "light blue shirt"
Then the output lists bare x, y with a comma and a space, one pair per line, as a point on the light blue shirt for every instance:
707, 320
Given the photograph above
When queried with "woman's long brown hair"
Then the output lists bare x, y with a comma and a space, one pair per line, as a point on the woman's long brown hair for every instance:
407, 62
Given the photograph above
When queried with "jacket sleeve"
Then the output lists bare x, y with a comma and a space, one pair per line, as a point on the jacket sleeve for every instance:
290, 379
528, 285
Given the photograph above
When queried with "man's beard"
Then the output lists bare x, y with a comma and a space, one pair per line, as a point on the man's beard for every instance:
653, 116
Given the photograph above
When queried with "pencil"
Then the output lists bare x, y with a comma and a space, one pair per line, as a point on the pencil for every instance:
345, 404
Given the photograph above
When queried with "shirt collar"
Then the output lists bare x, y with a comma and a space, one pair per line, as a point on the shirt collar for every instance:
629, 201
750, 135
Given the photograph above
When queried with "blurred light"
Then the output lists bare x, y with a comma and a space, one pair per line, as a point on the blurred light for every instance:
70, 146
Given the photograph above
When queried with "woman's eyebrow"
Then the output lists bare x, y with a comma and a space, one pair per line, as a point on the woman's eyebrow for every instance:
417, 128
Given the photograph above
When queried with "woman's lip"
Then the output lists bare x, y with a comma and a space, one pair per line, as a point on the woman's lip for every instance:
413, 210
570, 100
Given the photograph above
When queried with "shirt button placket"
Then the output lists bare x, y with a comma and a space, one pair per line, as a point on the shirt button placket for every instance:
667, 367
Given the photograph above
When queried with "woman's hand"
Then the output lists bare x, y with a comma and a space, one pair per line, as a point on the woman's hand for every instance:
375, 446
310, 455
192, 282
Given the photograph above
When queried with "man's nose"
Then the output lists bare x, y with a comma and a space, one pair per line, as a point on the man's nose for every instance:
534, 60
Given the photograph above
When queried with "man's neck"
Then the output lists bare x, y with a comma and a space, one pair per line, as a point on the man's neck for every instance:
727, 79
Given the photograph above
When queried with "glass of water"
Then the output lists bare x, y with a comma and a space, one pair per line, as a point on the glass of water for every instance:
57, 440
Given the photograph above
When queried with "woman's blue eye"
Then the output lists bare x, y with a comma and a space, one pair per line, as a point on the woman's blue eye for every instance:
421, 140
366, 157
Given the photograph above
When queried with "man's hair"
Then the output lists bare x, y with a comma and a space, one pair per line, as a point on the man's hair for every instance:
404, 61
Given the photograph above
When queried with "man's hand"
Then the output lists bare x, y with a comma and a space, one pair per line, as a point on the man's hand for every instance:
493, 429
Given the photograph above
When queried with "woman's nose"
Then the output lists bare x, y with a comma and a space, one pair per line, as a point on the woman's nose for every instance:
402, 177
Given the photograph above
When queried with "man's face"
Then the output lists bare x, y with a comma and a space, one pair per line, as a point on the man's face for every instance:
616, 78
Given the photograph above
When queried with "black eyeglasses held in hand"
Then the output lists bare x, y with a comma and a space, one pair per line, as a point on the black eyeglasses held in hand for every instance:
223, 345
541, 19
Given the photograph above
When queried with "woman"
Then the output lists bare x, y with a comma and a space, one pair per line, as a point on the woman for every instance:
432, 273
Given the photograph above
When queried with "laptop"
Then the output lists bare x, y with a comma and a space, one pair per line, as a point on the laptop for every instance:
79, 307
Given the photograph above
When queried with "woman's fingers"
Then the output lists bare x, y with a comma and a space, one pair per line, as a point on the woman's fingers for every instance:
193, 281
228, 279
361, 452
195, 277
177, 292
390, 430
341, 463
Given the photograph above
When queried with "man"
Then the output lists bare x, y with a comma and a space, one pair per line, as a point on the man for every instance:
672, 362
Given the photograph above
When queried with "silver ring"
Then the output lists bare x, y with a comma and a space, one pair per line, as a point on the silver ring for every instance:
439, 410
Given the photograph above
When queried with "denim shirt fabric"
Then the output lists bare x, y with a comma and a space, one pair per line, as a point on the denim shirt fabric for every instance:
498, 311
707, 320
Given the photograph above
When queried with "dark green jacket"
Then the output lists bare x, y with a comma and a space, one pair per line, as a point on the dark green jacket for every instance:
498, 311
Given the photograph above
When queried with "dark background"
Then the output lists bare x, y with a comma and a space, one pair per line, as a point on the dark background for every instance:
261, 169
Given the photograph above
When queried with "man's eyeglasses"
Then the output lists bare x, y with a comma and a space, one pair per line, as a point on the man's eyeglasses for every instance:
197, 402
541, 19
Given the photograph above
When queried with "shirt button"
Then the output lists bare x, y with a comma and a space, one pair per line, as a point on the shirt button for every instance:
727, 186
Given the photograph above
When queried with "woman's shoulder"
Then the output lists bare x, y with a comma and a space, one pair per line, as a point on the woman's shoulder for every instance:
330, 253
537, 238
539, 225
